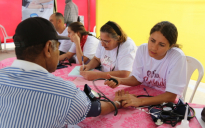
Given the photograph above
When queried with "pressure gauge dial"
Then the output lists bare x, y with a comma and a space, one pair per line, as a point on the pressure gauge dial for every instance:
167, 108
94, 95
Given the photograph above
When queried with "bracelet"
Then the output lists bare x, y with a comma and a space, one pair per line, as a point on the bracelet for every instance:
118, 103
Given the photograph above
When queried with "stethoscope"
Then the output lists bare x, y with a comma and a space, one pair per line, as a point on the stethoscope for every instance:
102, 95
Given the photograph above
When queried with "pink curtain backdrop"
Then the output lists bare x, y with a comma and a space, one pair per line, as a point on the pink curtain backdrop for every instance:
10, 14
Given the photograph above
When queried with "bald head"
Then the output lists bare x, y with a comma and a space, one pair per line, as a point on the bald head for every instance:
59, 16
57, 20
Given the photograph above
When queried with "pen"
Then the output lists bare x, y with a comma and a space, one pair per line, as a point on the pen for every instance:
83, 63
146, 91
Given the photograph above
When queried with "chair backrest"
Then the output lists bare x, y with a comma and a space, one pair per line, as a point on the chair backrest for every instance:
192, 65
93, 33
94, 29
3, 30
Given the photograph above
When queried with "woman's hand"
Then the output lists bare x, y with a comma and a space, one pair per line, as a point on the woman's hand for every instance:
75, 38
118, 95
111, 83
89, 75
86, 68
63, 56
130, 100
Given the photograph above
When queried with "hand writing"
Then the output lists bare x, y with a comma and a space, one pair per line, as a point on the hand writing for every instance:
89, 75
86, 68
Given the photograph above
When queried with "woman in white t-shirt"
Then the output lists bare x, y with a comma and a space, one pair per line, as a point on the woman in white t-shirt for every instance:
84, 44
115, 54
160, 64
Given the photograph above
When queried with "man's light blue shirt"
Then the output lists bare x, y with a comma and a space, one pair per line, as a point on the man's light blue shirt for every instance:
31, 97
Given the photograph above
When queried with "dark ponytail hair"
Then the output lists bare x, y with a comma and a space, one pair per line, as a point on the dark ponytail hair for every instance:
79, 27
114, 31
169, 31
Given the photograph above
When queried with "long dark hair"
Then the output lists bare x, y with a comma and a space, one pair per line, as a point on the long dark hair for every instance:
79, 27
168, 30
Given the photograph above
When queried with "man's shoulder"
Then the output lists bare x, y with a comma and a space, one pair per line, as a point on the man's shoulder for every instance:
38, 81
64, 33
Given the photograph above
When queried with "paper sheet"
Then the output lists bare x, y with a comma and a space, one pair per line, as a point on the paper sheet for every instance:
76, 72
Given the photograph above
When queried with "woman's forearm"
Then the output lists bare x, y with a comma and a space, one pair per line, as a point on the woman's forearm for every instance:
79, 53
129, 81
67, 55
120, 74
164, 97
93, 63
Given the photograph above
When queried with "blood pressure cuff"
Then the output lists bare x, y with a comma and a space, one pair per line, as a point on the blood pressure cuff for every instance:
95, 109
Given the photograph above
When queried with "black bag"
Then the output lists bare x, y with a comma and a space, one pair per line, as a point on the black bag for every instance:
170, 113
63, 63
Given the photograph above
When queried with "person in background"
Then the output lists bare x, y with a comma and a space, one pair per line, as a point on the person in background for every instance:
84, 44
32, 97
70, 12
57, 20
159, 64
115, 54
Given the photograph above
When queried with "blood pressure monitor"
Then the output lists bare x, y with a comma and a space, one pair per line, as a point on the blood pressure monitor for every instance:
91, 93
94, 95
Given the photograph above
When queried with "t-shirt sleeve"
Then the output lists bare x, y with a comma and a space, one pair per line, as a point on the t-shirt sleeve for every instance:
137, 69
176, 77
79, 108
65, 45
73, 48
90, 47
98, 51
126, 56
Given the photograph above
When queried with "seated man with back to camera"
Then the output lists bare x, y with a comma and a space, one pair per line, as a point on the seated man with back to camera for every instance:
31, 97
57, 20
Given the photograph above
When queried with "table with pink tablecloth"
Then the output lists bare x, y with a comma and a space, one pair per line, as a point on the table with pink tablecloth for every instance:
126, 117
63, 73
7, 62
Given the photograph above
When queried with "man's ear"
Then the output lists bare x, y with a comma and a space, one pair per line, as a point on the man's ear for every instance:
47, 49
59, 21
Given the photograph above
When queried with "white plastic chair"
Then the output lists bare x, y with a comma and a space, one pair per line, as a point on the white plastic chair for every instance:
192, 65
5, 35
93, 33
94, 29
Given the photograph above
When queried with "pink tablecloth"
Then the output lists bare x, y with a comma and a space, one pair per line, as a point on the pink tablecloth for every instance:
126, 118
7, 62
130, 117
63, 73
